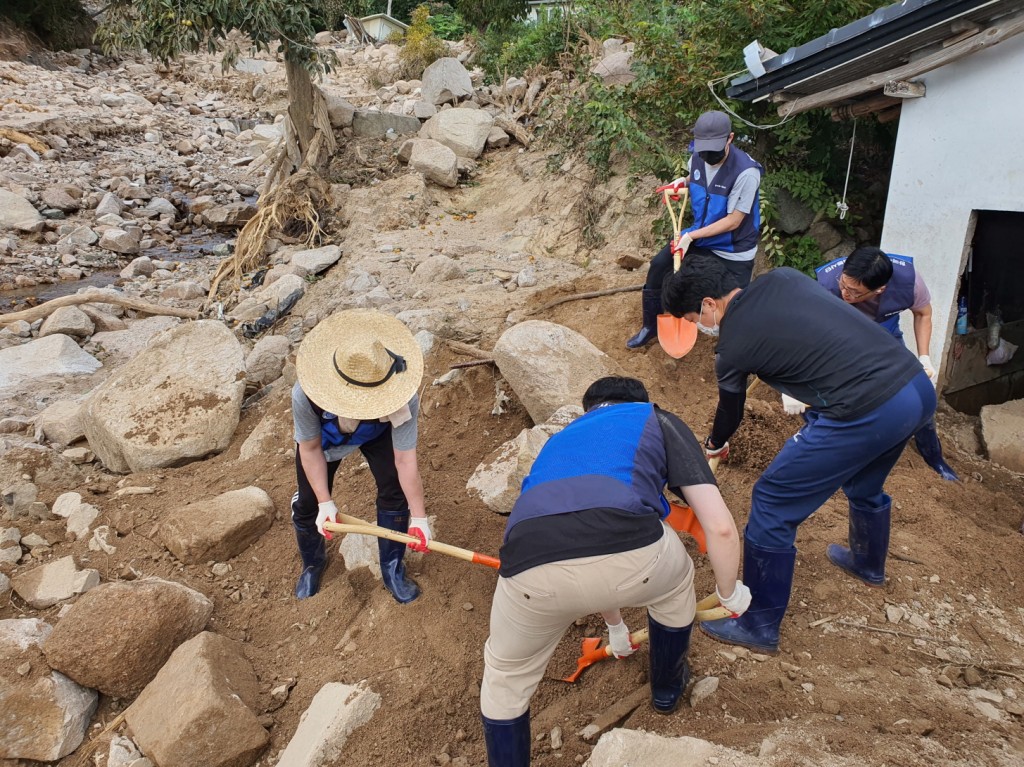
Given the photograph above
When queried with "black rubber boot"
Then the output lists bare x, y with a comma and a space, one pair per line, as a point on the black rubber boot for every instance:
869, 543
651, 304
768, 573
392, 569
928, 445
670, 670
508, 741
313, 551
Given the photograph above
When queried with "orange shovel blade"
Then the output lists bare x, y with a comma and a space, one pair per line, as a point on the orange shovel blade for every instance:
683, 520
589, 657
676, 335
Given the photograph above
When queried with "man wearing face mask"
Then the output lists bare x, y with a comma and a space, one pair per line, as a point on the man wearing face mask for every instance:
867, 395
724, 182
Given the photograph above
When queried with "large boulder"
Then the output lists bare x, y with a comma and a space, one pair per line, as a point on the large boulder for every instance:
56, 355
119, 346
791, 215
1002, 431
621, 746
57, 580
219, 528
119, 241
116, 637
177, 401
549, 365
198, 709
499, 477
265, 362
231, 216
340, 111
615, 68
68, 321
369, 124
435, 161
18, 213
464, 131
446, 80
316, 260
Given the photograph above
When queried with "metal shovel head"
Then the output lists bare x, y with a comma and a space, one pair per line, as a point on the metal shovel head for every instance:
676, 335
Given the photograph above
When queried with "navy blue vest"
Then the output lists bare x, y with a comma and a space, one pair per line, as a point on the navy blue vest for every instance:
898, 295
712, 204
612, 457
331, 434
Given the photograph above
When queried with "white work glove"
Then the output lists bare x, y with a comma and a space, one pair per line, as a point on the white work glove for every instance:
721, 453
618, 640
685, 241
419, 527
792, 406
328, 512
929, 368
738, 601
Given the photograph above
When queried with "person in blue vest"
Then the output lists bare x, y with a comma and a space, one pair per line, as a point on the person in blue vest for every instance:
587, 535
724, 184
882, 285
867, 395
358, 372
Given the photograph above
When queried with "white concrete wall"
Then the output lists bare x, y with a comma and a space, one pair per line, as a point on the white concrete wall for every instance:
959, 149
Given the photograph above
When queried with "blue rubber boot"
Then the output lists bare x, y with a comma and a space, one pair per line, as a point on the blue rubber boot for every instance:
928, 445
869, 543
313, 551
768, 573
651, 305
392, 569
508, 741
670, 670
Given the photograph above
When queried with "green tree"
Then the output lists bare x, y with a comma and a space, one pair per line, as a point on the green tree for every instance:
483, 13
169, 28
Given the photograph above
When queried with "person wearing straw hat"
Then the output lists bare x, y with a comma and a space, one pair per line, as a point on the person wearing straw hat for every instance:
358, 374
587, 535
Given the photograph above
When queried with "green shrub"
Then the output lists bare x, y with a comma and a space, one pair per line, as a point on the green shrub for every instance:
448, 23
422, 47
511, 50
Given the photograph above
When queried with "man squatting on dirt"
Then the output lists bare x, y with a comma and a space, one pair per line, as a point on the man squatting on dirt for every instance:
881, 286
724, 185
358, 372
867, 395
586, 535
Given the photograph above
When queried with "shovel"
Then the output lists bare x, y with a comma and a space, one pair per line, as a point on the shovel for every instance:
352, 524
708, 609
676, 335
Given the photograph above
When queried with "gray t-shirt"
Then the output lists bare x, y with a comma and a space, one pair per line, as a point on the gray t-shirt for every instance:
307, 426
741, 198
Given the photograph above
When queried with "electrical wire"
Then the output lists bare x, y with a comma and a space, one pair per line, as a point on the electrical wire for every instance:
726, 108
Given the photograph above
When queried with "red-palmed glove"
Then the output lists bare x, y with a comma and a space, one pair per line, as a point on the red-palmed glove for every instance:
618, 640
738, 601
326, 512
419, 527
721, 453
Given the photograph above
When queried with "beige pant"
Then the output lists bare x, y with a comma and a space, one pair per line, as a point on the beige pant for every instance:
532, 610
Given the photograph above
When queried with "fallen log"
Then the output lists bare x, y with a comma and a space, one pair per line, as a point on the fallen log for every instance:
470, 351
96, 297
23, 138
513, 128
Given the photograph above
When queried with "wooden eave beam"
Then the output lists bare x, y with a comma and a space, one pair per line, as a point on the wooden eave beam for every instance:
1004, 30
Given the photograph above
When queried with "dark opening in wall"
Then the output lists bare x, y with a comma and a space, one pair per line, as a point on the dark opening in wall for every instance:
990, 321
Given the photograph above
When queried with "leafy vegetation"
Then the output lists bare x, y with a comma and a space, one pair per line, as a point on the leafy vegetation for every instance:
484, 14
516, 47
422, 46
60, 24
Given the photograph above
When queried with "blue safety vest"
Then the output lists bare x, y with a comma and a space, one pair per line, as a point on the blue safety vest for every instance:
612, 457
331, 434
711, 204
897, 297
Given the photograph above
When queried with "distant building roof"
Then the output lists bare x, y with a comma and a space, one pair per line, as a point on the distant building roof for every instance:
888, 38
384, 17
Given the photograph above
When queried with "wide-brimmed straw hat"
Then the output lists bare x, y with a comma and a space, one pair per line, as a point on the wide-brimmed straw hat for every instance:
360, 364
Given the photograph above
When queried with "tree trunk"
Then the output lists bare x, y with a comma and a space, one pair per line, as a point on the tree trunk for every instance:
300, 102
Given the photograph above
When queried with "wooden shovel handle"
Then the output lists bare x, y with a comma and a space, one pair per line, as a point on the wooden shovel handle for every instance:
360, 527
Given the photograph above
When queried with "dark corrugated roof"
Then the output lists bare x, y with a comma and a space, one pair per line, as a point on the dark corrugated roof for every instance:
875, 43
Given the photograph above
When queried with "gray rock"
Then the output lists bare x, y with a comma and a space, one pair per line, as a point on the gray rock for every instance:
446, 80
5, 584
81, 237
439, 269
527, 277
339, 110
177, 401
826, 235
318, 259
55, 355
58, 198
183, 291
110, 204
497, 138
104, 321
123, 345
231, 216
116, 637
791, 215
464, 131
423, 110
266, 360
207, 679
54, 582
139, 267
615, 69
44, 719
10, 548
335, 712
68, 321
549, 365
119, 241
81, 519
1002, 431
367, 124
218, 528
703, 689
18, 213
162, 207
435, 161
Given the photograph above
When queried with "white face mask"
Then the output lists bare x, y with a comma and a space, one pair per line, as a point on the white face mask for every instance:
713, 330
